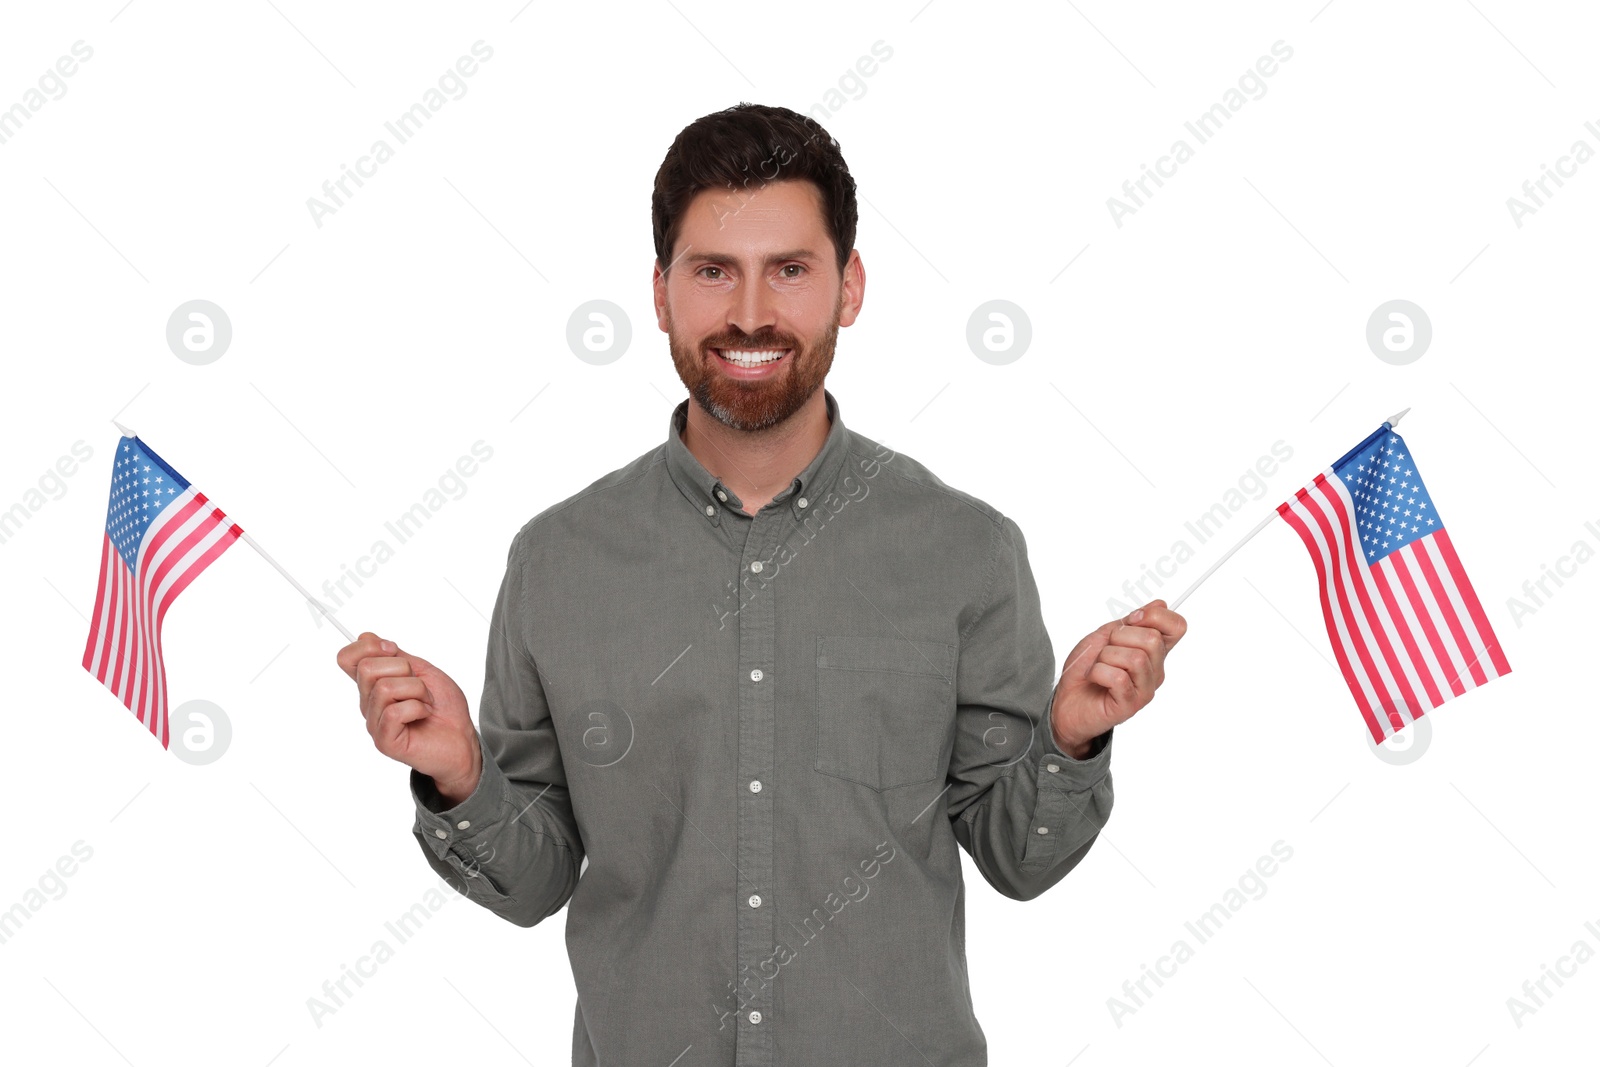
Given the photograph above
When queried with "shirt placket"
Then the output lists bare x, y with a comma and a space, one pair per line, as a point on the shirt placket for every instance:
755, 787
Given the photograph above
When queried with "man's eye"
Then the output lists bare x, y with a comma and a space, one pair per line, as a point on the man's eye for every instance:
795, 266
702, 270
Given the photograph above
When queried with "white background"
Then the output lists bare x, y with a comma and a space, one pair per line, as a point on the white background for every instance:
430, 312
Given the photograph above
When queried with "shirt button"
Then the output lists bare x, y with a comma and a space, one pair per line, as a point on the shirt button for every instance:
755, 1016
440, 833
722, 496
756, 675
803, 502
755, 787
1044, 829
463, 824
755, 568
755, 900
710, 510
1052, 767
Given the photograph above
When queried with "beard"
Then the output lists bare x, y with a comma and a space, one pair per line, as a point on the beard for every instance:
753, 405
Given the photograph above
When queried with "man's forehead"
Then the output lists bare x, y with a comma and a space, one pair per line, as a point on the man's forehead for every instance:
758, 209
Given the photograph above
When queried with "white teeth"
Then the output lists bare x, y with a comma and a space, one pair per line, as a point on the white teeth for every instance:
751, 358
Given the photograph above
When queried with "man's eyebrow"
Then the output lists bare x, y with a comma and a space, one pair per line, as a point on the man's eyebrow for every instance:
776, 257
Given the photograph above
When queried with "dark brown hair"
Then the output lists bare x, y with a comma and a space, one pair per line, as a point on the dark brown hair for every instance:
746, 147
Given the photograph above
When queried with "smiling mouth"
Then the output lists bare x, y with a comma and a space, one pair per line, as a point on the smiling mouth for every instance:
751, 358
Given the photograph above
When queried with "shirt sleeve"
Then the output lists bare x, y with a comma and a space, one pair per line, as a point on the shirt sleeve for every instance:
1024, 810
513, 845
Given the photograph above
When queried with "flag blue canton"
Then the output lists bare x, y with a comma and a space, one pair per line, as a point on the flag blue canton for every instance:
142, 484
1392, 505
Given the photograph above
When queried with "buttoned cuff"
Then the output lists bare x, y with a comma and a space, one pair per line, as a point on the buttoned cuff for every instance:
1063, 817
454, 834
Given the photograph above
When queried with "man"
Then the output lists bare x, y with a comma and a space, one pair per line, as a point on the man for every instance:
756, 686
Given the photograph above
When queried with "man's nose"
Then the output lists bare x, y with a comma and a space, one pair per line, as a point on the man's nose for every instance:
753, 308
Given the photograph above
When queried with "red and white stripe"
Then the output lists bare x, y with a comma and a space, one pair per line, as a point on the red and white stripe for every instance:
124, 647
1408, 632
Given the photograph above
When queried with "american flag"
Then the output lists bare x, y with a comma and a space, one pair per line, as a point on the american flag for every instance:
1406, 627
160, 533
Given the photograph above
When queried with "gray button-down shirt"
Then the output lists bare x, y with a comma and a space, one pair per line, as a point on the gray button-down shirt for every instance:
766, 735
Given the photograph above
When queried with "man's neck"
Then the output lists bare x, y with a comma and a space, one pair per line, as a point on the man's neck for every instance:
757, 465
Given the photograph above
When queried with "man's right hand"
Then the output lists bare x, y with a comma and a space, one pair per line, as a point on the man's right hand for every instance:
415, 714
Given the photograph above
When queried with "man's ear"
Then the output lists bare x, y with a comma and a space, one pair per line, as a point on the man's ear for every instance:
658, 285
852, 288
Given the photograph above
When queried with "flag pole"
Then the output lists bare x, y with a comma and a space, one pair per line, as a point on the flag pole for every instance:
1388, 423
1262, 525
251, 541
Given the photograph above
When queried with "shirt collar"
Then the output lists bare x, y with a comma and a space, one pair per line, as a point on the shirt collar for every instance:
712, 498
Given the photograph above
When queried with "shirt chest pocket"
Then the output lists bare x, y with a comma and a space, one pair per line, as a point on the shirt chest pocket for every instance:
884, 708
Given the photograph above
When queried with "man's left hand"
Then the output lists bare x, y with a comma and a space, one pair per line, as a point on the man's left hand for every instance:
1111, 674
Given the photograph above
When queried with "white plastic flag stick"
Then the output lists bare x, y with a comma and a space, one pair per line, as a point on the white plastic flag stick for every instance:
1262, 525
1388, 423
251, 541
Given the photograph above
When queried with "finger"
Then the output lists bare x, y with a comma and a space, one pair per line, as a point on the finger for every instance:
388, 690
1115, 680
1076, 668
1146, 637
1156, 614
370, 669
418, 664
1141, 668
368, 644
391, 723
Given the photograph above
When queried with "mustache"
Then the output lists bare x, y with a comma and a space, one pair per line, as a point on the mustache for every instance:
759, 339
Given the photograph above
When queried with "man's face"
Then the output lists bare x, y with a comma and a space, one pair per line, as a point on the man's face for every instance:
753, 278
